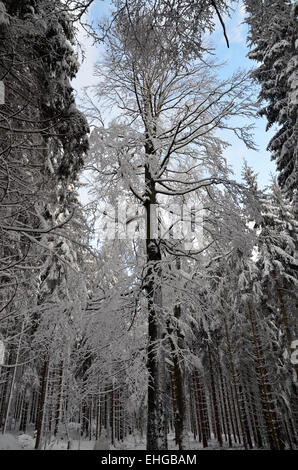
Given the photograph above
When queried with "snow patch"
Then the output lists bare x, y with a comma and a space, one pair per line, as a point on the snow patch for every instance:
9, 442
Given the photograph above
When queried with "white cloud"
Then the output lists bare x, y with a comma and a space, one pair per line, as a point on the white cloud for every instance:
237, 29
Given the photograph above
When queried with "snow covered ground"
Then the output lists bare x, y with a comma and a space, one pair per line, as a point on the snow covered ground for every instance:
26, 441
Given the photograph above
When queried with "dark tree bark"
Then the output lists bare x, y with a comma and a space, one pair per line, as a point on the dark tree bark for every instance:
156, 420
234, 377
201, 410
225, 407
267, 399
41, 404
214, 399
59, 399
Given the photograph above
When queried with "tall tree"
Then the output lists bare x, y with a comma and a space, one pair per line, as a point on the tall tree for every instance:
275, 48
168, 115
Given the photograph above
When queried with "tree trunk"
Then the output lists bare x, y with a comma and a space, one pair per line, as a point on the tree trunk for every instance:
24, 414
180, 414
201, 410
193, 420
225, 408
244, 416
267, 400
13, 379
97, 417
41, 404
230, 355
112, 418
214, 399
156, 420
233, 417
59, 399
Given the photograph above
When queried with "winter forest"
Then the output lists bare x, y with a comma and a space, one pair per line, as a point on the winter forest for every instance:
161, 313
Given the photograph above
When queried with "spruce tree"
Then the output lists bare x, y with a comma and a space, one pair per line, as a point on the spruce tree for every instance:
275, 48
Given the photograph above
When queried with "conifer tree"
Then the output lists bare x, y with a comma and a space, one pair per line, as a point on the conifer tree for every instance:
275, 48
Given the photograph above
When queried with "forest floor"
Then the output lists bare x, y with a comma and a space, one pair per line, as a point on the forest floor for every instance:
17, 441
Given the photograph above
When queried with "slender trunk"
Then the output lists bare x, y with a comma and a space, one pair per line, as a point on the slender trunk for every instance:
112, 417
267, 399
41, 405
180, 414
221, 407
97, 418
13, 380
174, 407
289, 344
214, 399
256, 425
85, 418
283, 313
59, 399
233, 418
177, 346
234, 377
105, 424
236, 417
225, 408
156, 420
202, 416
192, 410
244, 416
4, 390
121, 422
24, 413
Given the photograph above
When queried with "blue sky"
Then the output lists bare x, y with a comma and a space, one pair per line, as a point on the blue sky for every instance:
234, 58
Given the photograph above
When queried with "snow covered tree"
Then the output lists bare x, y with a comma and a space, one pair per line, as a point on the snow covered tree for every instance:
43, 135
275, 48
181, 24
197, 337
162, 145
43, 142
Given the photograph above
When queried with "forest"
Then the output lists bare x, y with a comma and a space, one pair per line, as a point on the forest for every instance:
162, 313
